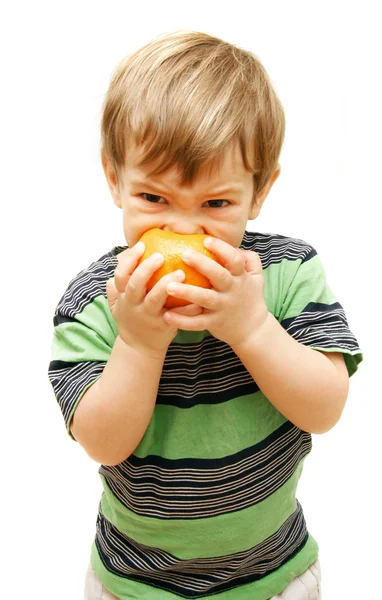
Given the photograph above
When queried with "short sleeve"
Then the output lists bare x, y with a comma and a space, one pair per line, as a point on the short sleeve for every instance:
311, 314
83, 337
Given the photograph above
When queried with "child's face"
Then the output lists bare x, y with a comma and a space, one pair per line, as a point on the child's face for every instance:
219, 203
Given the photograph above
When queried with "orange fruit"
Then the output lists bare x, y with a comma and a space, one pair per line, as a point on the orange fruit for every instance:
172, 245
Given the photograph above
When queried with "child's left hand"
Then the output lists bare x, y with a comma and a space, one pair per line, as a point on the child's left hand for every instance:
234, 308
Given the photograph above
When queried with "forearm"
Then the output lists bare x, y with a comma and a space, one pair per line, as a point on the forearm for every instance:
114, 413
303, 384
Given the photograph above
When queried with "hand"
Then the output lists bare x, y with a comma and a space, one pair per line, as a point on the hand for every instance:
234, 308
139, 316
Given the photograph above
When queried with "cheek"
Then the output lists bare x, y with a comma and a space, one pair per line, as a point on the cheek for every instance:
134, 228
131, 236
233, 234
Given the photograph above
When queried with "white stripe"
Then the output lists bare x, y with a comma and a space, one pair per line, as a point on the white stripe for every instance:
202, 575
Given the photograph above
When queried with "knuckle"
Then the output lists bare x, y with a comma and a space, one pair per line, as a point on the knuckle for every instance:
206, 298
123, 260
152, 299
226, 277
118, 281
110, 284
111, 290
131, 285
118, 276
238, 260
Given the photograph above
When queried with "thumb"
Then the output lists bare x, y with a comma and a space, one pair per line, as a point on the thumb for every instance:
190, 310
111, 292
253, 264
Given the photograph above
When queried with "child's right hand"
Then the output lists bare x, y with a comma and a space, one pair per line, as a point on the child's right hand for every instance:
139, 315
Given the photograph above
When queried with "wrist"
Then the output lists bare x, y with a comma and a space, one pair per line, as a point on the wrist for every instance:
141, 350
257, 337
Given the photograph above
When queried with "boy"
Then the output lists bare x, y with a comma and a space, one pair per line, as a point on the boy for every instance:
200, 416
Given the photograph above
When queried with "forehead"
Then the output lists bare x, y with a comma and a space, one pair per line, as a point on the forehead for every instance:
228, 168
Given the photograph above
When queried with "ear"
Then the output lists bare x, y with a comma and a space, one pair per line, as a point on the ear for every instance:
112, 179
261, 196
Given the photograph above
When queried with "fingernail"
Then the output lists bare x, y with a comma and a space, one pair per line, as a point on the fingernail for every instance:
140, 246
158, 258
208, 242
187, 255
180, 274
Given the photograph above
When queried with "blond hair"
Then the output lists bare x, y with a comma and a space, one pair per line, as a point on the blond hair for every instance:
185, 98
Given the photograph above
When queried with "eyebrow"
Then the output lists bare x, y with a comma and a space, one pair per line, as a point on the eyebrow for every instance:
226, 189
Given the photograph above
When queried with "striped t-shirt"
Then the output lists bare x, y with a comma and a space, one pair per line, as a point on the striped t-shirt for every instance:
206, 505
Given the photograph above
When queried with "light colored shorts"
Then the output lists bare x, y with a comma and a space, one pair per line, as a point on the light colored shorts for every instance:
305, 587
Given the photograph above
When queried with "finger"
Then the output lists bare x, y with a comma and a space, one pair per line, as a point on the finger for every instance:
185, 322
204, 297
217, 275
111, 292
231, 258
136, 286
157, 296
253, 264
190, 310
127, 263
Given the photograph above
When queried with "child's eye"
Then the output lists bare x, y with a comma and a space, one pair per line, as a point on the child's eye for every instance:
217, 203
152, 198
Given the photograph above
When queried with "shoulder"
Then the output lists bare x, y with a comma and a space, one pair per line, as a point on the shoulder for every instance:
88, 284
274, 248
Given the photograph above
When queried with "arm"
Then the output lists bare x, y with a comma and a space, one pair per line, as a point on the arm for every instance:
308, 387
114, 412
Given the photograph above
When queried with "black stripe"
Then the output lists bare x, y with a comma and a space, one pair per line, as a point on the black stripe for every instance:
322, 325
201, 577
196, 378
57, 365
310, 254
69, 381
205, 397
203, 488
58, 319
209, 463
274, 248
326, 310
86, 286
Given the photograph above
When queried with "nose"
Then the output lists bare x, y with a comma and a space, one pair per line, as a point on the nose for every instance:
184, 225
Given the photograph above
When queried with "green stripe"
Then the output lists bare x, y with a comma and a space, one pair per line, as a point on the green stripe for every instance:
273, 280
352, 359
229, 533
287, 294
263, 589
190, 337
291, 287
209, 430
90, 337
74, 407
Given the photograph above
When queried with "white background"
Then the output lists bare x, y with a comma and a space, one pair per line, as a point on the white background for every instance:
58, 216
